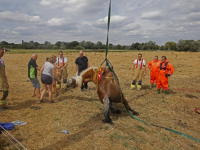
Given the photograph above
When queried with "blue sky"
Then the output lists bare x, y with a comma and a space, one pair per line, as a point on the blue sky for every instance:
68, 20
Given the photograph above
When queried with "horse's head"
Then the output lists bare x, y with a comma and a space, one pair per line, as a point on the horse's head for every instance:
87, 75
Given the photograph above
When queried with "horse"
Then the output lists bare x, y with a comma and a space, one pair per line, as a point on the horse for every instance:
108, 89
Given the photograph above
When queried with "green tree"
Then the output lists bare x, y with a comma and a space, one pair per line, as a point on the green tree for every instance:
58, 44
55, 47
99, 44
170, 45
62, 46
79, 47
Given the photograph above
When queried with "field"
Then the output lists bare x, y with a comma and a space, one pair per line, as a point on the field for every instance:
81, 113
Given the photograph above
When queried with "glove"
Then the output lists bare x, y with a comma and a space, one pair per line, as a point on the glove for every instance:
167, 75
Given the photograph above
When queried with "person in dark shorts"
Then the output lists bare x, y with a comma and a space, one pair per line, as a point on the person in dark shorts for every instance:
48, 72
32, 74
54, 82
81, 64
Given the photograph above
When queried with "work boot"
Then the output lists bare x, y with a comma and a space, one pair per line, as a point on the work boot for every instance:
58, 86
151, 86
5, 95
164, 93
132, 86
158, 91
139, 87
3, 104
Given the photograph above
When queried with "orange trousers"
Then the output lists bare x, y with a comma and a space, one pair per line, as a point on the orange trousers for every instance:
154, 77
162, 83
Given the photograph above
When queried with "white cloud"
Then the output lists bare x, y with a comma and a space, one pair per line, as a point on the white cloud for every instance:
18, 17
157, 15
57, 21
131, 26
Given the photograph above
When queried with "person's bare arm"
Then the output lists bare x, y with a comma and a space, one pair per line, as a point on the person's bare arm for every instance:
56, 66
38, 68
42, 69
133, 69
54, 74
88, 65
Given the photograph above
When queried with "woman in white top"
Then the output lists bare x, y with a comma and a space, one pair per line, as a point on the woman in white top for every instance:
48, 71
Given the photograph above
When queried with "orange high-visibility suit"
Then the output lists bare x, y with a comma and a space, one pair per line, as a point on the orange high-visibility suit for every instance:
155, 69
165, 67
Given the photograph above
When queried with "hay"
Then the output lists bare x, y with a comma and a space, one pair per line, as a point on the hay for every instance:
81, 113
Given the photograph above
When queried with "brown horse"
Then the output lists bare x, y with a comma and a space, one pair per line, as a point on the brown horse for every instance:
108, 90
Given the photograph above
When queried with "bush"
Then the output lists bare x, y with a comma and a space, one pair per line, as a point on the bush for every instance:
55, 47
79, 47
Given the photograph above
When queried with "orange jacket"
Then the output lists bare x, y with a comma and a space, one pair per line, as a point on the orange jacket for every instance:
154, 66
164, 71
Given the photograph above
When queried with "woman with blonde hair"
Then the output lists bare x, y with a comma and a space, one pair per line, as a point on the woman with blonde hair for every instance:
48, 72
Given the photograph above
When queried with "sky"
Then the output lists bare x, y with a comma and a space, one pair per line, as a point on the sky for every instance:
76, 20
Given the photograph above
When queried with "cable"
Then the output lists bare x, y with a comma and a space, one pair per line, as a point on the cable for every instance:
11, 141
13, 138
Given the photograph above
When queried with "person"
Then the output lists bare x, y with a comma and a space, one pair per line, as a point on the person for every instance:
53, 82
166, 70
48, 71
3, 80
81, 63
32, 74
139, 71
61, 64
154, 67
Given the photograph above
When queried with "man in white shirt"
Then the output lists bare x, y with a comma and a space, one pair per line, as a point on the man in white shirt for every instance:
61, 64
139, 71
3, 80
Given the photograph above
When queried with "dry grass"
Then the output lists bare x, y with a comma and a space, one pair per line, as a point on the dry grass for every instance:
81, 113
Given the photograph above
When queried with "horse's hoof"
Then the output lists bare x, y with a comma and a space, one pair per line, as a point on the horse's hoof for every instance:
136, 114
109, 122
118, 111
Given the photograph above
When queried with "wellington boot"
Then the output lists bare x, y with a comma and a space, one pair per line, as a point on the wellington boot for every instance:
139, 87
132, 86
5, 95
158, 91
3, 103
164, 93
58, 86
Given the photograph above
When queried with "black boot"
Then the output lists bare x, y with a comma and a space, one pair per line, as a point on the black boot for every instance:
5, 95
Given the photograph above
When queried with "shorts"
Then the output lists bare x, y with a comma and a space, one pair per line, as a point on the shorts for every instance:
35, 83
46, 79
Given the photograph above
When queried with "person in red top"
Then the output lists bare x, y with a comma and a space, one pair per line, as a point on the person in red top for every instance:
154, 67
166, 70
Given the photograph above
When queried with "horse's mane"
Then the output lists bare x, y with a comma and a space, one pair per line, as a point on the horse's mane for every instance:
86, 70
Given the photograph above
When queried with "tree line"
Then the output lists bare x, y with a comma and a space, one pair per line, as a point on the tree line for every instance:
182, 45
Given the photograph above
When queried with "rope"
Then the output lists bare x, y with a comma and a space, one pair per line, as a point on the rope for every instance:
171, 130
186, 90
13, 137
11, 141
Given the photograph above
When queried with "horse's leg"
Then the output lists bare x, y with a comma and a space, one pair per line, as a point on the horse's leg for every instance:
106, 102
129, 108
113, 110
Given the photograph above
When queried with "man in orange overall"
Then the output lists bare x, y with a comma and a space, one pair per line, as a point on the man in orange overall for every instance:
165, 67
154, 67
